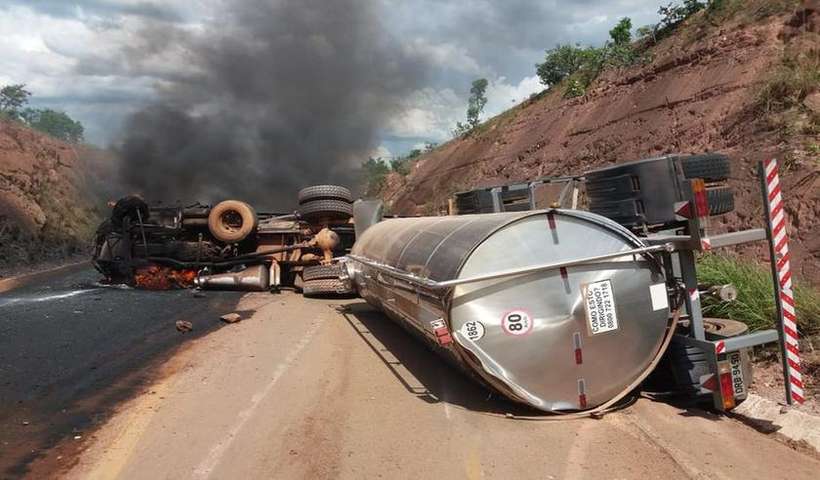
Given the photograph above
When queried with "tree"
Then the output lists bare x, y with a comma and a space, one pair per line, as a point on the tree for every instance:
57, 124
672, 15
565, 60
621, 33
477, 101
12, 97
374, 170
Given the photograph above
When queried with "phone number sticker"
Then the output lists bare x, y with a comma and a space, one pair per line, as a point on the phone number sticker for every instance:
517, 322
600, 307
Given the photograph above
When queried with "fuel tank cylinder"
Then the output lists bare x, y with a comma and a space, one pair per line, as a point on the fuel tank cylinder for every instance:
560, 339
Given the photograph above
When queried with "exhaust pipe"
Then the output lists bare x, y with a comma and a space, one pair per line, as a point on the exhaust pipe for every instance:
252, 279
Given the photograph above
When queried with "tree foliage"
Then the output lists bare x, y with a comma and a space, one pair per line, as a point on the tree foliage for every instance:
52, 122
565, 60
57, 124
475, 106
374, 171
672, 14
578, 66
12, 99
478, 99
621, 34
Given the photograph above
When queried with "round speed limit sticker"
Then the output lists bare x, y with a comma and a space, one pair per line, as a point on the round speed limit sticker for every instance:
517, 322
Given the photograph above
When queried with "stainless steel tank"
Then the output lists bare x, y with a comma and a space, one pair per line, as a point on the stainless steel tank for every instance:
554, 338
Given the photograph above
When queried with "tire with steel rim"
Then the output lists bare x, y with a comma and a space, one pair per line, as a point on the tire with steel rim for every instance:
232, 221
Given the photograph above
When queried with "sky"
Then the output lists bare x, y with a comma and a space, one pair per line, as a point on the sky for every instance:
93, 59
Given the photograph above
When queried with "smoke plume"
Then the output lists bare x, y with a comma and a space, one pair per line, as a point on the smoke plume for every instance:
279, 95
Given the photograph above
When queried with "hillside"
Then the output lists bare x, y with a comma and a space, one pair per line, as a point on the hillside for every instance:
49, 205
717, 84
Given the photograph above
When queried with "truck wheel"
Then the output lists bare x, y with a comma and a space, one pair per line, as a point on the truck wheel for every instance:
318, 272
326, 209
324, 192
688, 364
712, 167
232, 221
720, 200
128, 207
325, 287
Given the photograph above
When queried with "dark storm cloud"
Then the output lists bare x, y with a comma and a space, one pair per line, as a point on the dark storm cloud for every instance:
281, 95
70, 9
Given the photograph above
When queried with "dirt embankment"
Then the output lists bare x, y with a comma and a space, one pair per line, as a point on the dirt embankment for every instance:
49, 205
699, 93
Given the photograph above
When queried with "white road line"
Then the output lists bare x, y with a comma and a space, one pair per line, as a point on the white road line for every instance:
41, 298
210, 462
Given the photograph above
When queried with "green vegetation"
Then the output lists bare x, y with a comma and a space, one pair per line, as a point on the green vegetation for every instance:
673, 15
374, 172
576, 66
402, 165
755, 294
51, 122
12, 98
475, 105
790, 82
781, 96
57, 124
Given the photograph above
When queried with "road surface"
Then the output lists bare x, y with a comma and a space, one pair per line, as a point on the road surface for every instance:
71, 351
305, 389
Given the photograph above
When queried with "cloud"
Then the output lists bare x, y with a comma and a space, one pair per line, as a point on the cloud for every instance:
85, 56
153, 10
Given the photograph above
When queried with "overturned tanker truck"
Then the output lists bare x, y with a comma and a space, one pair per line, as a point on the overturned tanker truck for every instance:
505, 297
566, 309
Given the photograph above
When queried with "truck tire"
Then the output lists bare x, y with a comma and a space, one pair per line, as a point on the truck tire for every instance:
324, 192
720, 199
325, 287
712, 167
318, 272
688, 364
128, 207
326, 209
232, 221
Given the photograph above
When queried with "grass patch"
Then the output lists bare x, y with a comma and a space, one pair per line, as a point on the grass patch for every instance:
755, 294
790, 82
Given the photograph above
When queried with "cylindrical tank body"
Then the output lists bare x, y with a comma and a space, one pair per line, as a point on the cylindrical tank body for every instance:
562, 339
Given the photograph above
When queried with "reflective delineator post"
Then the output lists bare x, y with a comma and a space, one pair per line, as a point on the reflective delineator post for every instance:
782, 277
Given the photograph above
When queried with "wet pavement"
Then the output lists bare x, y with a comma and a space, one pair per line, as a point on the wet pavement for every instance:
72, 350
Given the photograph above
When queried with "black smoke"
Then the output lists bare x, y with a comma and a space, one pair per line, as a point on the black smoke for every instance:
277, 95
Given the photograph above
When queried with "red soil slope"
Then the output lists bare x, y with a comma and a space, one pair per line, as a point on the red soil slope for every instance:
47, 207
697, 94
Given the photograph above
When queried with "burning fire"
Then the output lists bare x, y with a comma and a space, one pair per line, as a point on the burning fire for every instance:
156, 277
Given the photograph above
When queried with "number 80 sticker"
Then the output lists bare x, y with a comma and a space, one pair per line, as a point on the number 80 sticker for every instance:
517, 322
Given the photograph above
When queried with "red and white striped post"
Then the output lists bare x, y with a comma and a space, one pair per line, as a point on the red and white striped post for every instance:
782, 276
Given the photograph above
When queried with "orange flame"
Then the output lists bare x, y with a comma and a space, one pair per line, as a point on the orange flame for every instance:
156, 277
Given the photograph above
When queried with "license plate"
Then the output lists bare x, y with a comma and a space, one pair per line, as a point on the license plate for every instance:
738, 383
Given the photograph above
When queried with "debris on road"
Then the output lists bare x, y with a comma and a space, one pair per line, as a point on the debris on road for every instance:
184, 326
231, 317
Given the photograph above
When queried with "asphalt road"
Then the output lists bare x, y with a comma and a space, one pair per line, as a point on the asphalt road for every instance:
71, 351
306, 389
